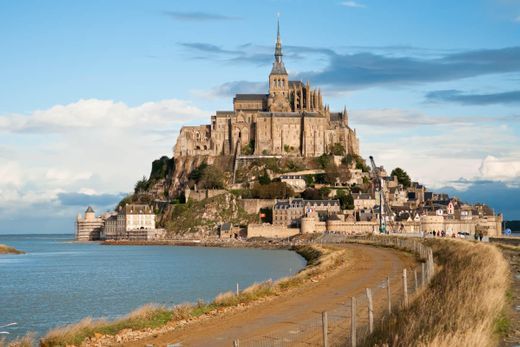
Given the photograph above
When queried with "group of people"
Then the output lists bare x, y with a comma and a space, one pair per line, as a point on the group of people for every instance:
441, 233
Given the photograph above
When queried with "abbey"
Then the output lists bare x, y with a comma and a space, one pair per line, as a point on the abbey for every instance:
290, 120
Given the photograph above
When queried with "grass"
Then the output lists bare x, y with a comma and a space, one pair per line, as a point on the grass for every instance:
4, 249
24, 341
463, 306
320, 260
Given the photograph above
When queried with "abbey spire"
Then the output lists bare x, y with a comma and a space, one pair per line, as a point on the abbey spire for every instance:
278, 66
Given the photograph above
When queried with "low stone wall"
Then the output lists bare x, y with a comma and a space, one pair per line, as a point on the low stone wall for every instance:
199, 195
253, 206
270, 231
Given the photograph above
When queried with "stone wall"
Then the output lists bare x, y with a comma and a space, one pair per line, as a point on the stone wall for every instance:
270, 231
253, 206
199, 195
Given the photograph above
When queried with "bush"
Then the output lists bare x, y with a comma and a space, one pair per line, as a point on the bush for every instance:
402, 177
273, 190
338, 149
346, 200
316, 194
324, 160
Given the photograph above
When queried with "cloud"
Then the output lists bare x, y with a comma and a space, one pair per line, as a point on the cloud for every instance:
96, 114
456, 96
365, 67
361, 70
81, 199
61, 157
500, 169
198, 16
403, 118
517, 19
353, 4
232, 88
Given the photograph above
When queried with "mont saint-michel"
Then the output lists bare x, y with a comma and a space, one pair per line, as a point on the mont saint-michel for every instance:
277, 165
203, 173
289, 120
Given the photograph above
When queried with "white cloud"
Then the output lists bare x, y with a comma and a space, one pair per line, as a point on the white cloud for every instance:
95, 113
517, 19
353, 4
84, 147
500, 169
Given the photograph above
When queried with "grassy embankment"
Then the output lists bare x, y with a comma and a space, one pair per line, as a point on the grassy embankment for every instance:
320, 260
4, 249
24, 341
463, 306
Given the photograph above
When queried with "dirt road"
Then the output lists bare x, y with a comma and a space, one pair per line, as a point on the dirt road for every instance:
367, 267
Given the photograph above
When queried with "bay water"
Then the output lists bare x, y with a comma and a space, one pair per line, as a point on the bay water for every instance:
60, 282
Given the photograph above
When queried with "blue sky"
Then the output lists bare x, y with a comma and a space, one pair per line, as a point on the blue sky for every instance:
92, 91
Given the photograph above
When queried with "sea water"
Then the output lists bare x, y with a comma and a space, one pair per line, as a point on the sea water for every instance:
60, 282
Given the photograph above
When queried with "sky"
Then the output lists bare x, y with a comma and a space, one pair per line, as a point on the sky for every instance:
92, 91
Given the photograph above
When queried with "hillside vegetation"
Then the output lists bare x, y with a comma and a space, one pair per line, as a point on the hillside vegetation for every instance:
201, 218
463, 306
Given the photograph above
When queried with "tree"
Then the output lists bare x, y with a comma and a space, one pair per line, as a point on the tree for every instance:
196, 173
346, 200
338, 149
264, 178
141, 185
273, 190
212, 178
402, 177
315, 194
324, 160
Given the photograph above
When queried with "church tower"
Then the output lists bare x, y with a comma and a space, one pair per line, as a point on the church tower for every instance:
278, 80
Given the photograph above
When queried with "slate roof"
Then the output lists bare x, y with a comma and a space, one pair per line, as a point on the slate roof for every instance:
250, 96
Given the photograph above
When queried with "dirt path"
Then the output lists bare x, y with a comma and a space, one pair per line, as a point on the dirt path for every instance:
367, 268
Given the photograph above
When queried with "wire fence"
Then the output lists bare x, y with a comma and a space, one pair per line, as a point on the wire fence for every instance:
354, 318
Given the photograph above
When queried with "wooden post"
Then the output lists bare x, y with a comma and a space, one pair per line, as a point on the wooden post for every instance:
370, 311
354, 323
325, 325
423, 274
405, 288
415, 278
389, 294
238, 289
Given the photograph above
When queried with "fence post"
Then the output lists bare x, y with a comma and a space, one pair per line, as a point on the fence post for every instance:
236, 343
370, 311
405, 288
415, 278
423, 273
238, 289
325, 326
389, 294
353, 323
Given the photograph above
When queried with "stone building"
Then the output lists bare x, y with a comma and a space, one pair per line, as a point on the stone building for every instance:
290, 212
291, 119
132, 222
89, 227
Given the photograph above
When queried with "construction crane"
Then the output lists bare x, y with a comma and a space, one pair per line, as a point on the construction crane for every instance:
384, 208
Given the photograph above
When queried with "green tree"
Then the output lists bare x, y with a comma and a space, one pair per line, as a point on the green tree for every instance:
346, 200
212, 178
273, 190
338, 149
402, 177
264, 178
324, 160
141, 185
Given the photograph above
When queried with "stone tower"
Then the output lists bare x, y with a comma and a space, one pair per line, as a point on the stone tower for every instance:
278, 100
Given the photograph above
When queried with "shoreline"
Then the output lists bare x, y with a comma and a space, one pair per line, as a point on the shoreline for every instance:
99, 331
5, 249
271, 244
